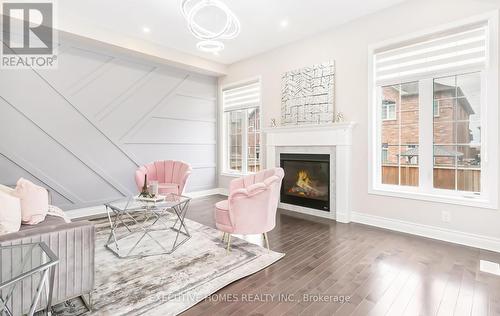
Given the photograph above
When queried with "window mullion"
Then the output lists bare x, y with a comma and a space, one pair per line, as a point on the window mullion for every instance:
399, 119
244, 144
426, 134
377, 148
226, 136
486, 184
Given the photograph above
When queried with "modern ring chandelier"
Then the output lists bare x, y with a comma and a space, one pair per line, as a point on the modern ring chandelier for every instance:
210, 40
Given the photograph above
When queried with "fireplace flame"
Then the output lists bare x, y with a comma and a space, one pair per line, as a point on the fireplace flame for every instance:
303, 180
304, 185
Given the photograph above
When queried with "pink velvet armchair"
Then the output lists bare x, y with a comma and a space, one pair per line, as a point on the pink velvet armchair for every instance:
251, 206
171, 175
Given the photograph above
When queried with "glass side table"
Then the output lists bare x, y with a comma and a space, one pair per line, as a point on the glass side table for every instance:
20, 262
147, 228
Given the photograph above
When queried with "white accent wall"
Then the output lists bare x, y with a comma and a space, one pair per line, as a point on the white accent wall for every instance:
348, 46
82, 129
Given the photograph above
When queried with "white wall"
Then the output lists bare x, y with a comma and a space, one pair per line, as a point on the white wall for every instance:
348, 46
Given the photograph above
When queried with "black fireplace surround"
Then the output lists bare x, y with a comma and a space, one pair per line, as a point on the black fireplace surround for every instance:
307, 180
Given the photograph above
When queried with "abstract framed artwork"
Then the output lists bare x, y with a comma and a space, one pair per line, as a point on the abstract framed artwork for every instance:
308, 95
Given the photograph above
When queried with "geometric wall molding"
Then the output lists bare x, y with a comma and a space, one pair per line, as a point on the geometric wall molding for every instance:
83, 129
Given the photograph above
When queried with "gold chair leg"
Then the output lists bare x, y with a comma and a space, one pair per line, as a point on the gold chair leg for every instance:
267, 240
228, 243
223, 236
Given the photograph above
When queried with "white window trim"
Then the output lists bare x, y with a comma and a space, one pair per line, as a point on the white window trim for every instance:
489, 136
225, 171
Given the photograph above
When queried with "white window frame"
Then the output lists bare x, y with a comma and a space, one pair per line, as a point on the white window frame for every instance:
226, 171
488, 198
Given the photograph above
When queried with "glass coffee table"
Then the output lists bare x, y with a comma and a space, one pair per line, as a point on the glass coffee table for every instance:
19, 263
142, 228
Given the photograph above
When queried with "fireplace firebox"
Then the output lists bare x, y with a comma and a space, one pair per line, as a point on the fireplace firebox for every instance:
307, 180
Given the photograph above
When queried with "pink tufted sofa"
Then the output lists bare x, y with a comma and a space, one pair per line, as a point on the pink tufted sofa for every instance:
251, 206
171, 175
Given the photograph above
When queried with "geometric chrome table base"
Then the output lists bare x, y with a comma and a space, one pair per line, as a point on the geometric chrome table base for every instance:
36, 258
147, 226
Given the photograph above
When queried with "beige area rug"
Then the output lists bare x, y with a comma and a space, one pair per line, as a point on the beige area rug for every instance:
168, 284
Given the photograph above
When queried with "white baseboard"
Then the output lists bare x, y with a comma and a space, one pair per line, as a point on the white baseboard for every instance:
439, 233
86, 211
101, 209
197, 194
223, 191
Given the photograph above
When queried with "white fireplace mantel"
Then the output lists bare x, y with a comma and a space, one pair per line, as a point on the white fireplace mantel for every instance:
337, 136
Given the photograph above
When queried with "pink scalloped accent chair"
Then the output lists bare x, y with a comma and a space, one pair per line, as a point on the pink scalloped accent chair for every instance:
251, 206
171, 175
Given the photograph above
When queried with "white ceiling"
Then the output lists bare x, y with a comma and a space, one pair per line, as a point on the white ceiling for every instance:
260, 21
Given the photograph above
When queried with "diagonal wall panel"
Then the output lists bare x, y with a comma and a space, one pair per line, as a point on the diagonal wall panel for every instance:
99, 93
68, 124
36, 148
125, 116
52, 114
12, 171
73, 66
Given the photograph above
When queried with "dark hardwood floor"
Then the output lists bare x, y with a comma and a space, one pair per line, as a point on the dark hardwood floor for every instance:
381, 272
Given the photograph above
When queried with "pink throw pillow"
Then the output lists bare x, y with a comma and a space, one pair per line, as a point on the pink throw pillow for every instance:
34, 201
10, 213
